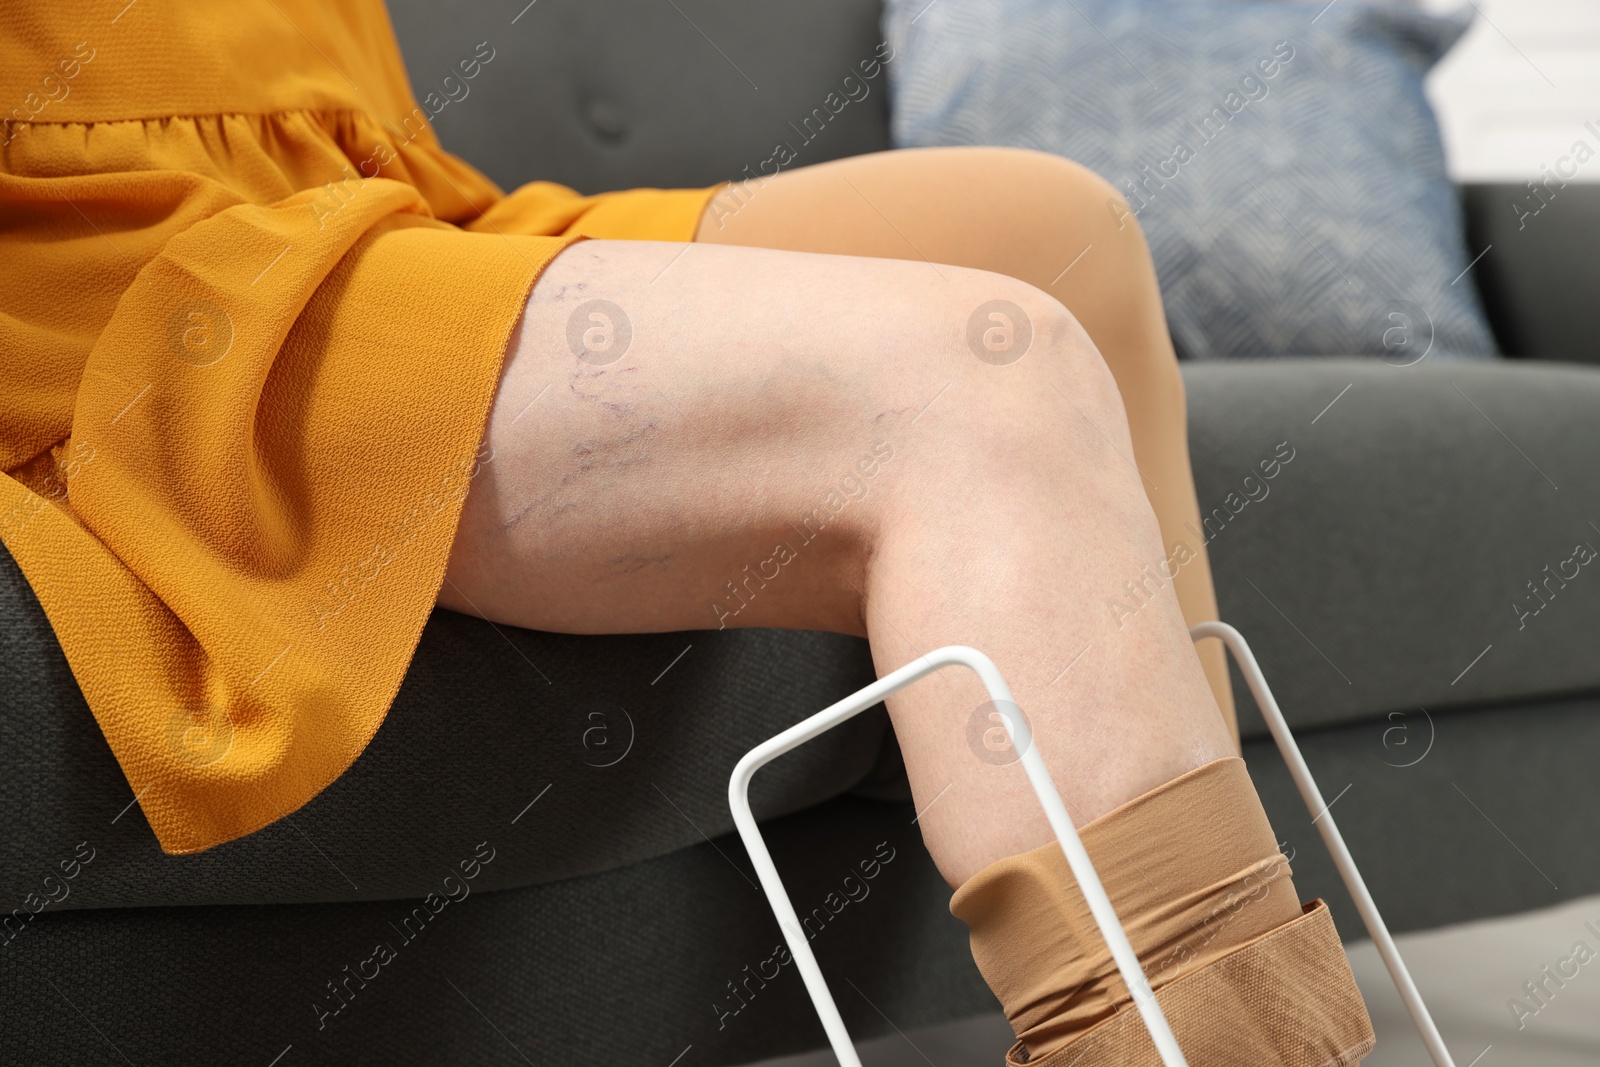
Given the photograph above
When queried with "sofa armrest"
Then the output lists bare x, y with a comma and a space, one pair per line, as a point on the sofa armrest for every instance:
1539, 271
1430, 541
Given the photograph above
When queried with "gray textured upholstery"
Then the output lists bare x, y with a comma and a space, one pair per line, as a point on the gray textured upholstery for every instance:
1471, 814
473, 737
628, 967
631, 93
1388, 554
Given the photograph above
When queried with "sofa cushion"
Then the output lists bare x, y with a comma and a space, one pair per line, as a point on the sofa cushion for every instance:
1282, 218
549, 964
1430, 542
632, 966
587, 753
1452, 819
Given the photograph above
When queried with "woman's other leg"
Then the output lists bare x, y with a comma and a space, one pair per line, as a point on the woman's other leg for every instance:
689, 436
1041, 219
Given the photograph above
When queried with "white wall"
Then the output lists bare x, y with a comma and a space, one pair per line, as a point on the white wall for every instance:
1516, 92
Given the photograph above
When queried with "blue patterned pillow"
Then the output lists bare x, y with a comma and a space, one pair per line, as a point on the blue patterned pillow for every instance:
1284, 164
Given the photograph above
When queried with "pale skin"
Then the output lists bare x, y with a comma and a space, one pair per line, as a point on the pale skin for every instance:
1002, 508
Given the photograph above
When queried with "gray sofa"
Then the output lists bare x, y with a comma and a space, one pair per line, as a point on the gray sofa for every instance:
616, 921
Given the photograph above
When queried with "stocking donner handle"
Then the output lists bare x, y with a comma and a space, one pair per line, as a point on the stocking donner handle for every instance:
1055, 811
1083, 871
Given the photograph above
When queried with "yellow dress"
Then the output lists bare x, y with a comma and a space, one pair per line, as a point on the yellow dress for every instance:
251, 319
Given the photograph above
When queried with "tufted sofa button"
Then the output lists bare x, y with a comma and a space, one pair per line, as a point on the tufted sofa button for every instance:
606, 118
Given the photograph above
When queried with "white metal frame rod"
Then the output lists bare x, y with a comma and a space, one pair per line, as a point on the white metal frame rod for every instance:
1055, 811
1330, 835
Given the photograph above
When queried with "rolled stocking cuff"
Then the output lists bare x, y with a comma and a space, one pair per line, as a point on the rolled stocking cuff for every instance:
1195, 875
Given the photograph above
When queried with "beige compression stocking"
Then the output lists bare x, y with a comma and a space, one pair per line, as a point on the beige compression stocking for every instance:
1245, 975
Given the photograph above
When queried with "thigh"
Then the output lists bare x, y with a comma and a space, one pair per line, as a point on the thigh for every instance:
692, 436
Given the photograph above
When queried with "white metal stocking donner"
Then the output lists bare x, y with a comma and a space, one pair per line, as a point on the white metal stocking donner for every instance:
1077, 858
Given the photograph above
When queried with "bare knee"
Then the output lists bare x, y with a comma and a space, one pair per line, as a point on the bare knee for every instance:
1022, 395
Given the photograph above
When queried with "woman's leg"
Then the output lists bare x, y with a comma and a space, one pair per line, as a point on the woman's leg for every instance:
1045, 221
697, 435
748, 437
